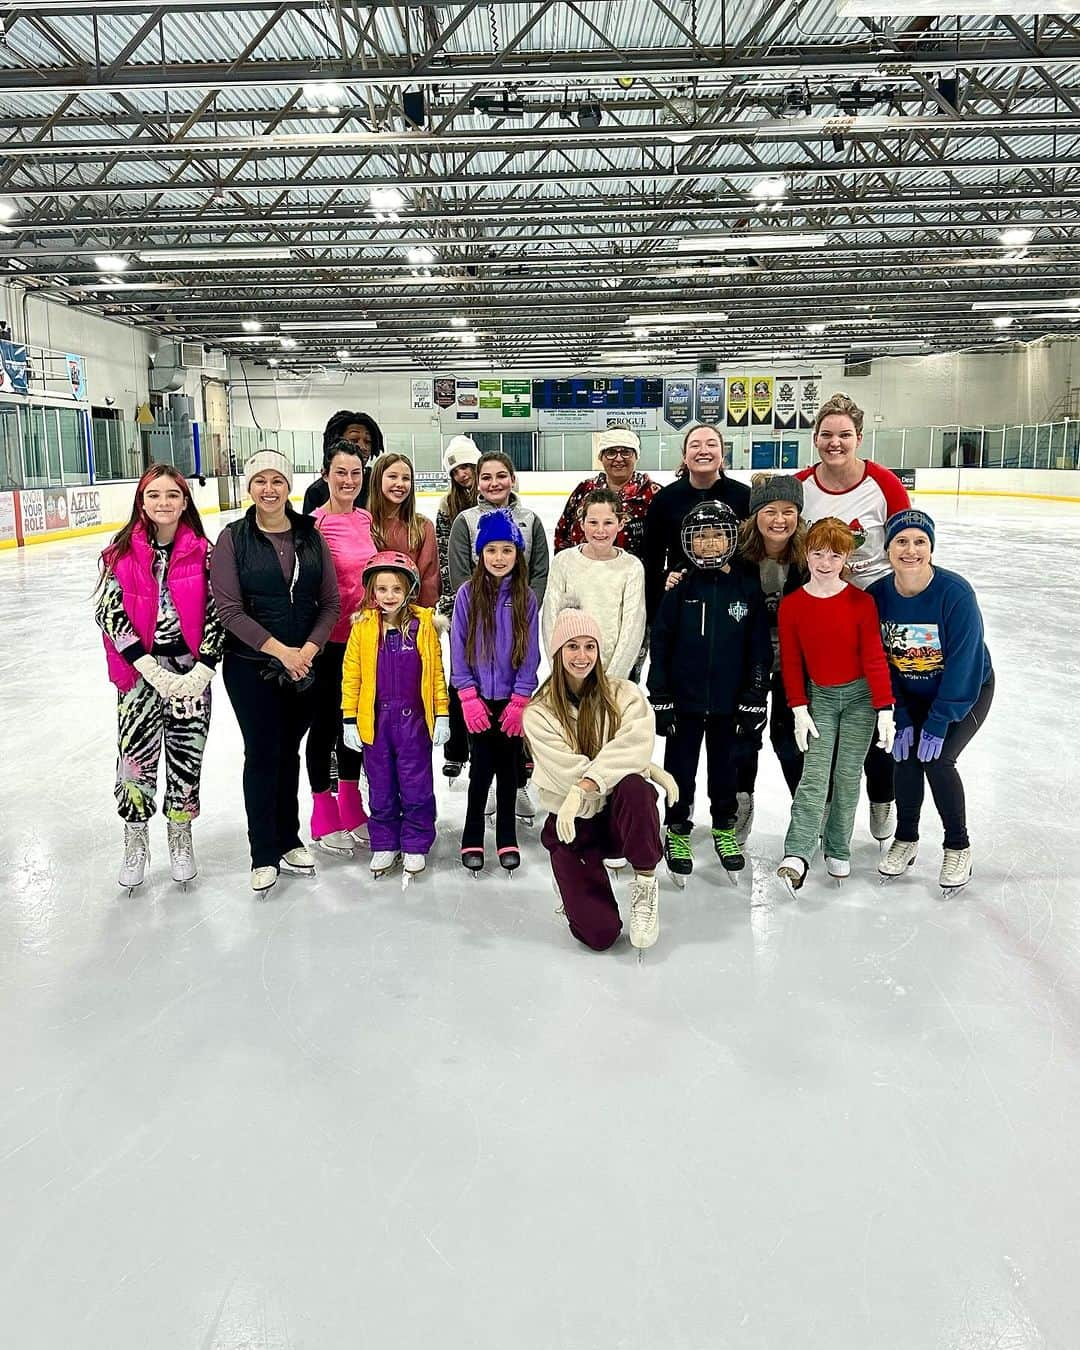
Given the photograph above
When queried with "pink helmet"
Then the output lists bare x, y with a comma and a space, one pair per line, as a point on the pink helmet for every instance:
391, 561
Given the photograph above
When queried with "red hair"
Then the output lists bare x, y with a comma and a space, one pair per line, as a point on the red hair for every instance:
830, 533
121, 543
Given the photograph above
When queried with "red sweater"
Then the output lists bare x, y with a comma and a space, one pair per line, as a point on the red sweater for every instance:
834, 641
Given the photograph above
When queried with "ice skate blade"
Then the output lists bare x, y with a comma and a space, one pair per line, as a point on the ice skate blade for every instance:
679, 878
288, 867
331, 851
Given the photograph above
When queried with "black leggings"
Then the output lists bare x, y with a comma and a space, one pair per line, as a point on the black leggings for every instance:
326, 725
681, 754
493, 754
456, 749
940, 773
782, 738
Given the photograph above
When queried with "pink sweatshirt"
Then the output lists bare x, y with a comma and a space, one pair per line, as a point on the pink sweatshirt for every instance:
348, 537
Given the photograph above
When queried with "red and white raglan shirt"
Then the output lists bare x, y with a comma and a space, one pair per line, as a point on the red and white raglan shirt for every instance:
864, 509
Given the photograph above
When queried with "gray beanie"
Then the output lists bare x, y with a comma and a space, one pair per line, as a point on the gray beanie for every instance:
778, 487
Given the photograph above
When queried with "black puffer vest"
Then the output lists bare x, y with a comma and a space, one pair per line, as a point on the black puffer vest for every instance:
286, 609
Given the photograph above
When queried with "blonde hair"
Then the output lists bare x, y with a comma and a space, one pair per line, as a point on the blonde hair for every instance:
840, 406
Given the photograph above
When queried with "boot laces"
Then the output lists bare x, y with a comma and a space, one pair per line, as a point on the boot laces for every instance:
643, 900
726, 843
679, 845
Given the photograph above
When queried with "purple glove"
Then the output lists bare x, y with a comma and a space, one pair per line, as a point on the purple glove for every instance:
929, 747
904, 743
510, 721
474, 710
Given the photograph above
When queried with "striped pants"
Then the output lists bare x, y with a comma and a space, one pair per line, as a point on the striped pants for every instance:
146, 721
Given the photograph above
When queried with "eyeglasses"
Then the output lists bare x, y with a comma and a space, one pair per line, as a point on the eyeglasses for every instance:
618, 454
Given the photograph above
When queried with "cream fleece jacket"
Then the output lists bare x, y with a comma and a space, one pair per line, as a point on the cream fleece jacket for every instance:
557, 767
613, 592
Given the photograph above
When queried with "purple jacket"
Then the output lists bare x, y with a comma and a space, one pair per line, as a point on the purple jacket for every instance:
493, 676
187, 585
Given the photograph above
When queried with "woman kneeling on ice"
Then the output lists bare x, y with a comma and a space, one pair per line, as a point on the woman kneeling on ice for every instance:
592, 740
944, 684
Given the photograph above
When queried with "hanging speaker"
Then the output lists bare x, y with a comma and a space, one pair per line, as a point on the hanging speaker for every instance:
414, 108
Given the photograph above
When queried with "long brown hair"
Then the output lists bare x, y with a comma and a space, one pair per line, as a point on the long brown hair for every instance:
483, 595
381, 511
597, 717
752, 544
459, 498
120, 546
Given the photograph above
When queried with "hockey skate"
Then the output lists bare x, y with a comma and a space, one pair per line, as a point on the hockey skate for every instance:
136, 855
744, 817
678, 855
792, 872
729, 853
955, 871
181, 853
901, 855
644, 913
838, 869
299, 860
882, 822
263, 880
383, 861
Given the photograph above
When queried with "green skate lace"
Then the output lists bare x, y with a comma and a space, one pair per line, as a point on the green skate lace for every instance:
726, 843
679, 846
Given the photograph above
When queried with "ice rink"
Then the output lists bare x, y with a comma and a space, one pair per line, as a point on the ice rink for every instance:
348, 1116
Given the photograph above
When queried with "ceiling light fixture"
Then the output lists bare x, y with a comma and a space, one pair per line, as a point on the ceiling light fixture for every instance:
329, 92
769, 189
287, 343
467, 339
751, 242
386, 199
343, 354
215, 254
816, 328
1003, 321
328, 326
8, 209
1027, 304
421, 255
459, 321
905, 9
672, 320
1018, 236
110, 262
251, 326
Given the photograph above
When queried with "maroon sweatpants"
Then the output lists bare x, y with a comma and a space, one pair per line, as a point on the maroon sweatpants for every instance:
628, 827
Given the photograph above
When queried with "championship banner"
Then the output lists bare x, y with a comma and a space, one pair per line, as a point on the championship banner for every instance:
421, 395
468, 400
491, 395
738, 401
76, 375
710, 402
517, 398
809, 402
12, 368
785, 403
761, 403
445, 392
678, 402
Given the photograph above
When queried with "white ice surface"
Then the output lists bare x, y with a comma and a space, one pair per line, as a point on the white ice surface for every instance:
351, 1117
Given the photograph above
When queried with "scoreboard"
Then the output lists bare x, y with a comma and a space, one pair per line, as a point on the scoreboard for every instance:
633, 392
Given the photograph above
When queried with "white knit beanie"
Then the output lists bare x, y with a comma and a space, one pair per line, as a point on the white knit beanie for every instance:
267, 461
617, 438
460, 450
572, 623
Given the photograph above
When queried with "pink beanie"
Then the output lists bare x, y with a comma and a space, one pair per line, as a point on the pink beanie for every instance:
573, 623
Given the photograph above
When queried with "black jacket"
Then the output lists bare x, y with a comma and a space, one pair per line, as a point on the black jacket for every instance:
662, 548
710, 643
287, 612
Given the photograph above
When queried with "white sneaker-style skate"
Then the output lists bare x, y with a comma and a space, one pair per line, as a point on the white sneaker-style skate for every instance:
901, 855
882, 820
837, 868
955, 870
181, 852
299, 860
360, 836
263, 880
414, 862
385, 860
792, 872
644, 912
524, 806
136, 855
744, 816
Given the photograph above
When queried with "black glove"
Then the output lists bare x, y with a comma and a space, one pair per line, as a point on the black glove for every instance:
665, 718
751, 714
275, 673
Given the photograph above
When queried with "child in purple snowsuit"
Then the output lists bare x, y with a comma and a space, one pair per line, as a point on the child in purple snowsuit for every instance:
494, 656
393, 703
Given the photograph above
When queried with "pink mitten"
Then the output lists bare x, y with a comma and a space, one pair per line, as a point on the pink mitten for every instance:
510, 721
474, 710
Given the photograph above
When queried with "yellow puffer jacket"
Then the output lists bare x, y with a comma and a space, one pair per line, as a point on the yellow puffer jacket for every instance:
358, 672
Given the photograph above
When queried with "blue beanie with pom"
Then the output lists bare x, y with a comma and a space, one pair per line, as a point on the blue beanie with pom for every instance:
498, 527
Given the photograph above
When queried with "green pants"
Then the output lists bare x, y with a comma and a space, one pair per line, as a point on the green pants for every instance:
845, 719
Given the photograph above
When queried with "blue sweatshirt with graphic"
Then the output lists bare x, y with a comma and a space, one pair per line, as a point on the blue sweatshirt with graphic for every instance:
935, 648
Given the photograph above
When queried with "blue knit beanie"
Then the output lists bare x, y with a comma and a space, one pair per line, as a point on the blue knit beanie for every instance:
911, 519
498, 527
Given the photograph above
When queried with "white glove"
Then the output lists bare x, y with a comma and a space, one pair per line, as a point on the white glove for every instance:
665, 782
351, 737
886, 730
441, 734
566, 820
804, 727
162, 681
196, 679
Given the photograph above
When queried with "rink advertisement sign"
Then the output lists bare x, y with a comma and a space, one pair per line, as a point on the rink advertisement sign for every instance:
468, 400
678, 402
56, 509
785, 403
7, 516
738, 401
491, 396
32, 509
421, 396
83, 507
12, 368
517, 398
